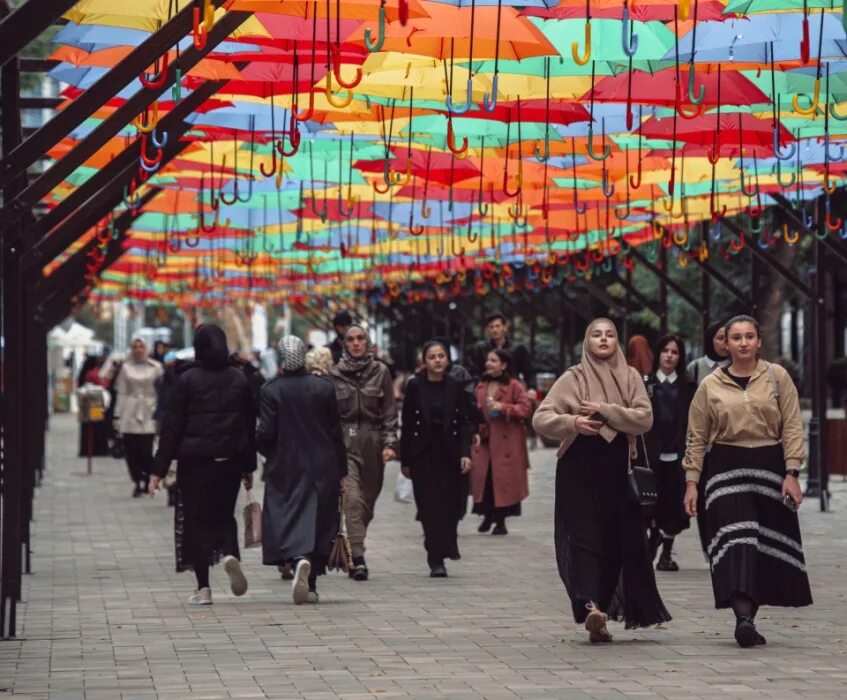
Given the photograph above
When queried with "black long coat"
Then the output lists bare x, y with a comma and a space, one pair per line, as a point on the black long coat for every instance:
300, 435
433, 455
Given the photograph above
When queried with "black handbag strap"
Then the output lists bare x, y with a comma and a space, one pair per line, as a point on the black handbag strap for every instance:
646, 456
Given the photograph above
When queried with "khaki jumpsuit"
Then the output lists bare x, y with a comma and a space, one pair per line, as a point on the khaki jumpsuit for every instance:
369, 421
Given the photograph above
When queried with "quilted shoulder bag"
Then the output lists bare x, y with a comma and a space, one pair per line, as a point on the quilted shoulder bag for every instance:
642, 487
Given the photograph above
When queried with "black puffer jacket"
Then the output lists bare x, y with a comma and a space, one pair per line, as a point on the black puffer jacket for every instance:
211, 412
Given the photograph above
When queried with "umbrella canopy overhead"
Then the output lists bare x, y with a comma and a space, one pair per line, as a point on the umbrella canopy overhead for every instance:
361, 146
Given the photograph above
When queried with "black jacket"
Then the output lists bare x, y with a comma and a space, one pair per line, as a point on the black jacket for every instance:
521, 360
336, 347
653, 438
211, 412
417, 433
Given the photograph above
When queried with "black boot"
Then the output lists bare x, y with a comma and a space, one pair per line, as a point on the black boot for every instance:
359, 572
436, 567
746, 633
500, 528
665, 561
485, 525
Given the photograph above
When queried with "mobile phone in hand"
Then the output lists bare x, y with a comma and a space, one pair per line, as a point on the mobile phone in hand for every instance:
599, 417
789, 502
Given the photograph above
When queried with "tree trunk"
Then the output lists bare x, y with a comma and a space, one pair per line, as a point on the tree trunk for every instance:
773, 302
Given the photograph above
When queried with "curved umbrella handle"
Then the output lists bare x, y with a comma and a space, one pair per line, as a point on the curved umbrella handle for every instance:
330, 97
159, 142
608, 187
310, 111
336, 71
701, 94
586, 56
460, 109
607, 151
816, 96
459, 151
629, 44
542, 157
792, 147
835, 115
373, 46
804, 42
778, 173
159, 79
490, 105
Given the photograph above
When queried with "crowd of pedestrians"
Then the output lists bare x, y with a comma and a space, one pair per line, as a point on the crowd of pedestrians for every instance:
720, 440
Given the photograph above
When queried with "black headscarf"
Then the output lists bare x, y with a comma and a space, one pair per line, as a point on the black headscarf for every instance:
711, 332
210, 349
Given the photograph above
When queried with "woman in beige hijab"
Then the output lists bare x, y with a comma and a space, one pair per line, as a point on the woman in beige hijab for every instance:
595, 410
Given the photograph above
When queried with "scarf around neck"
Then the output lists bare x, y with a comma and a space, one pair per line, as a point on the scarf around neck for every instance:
349, 364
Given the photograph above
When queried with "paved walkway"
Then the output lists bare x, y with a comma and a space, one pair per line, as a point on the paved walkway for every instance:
105, 616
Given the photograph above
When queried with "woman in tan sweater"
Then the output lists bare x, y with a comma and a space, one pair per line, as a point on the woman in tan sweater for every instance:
595, 410
747, 418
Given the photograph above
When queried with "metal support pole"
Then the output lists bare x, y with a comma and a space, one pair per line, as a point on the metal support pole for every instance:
663, 291
818, 483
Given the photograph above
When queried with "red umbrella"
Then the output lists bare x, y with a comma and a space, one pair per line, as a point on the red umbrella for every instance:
561, 112
439, 166
707, 10
729, 132
660, 88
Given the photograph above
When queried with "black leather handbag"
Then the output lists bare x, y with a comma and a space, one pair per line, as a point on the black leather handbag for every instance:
643, 488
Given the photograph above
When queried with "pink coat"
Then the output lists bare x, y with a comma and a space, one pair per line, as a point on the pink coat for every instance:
503, 446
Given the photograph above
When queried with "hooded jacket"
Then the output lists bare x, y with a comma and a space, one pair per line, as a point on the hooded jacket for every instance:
212, 413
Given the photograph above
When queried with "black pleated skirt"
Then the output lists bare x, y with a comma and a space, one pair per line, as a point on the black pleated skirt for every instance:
600, 538
669, 511
752, 540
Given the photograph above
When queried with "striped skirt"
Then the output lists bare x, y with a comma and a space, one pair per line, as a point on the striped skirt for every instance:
752, 539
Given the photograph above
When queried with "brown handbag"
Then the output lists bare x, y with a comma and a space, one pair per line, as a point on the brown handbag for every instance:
341, 556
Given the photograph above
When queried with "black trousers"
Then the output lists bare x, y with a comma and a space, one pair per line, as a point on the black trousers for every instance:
139, 456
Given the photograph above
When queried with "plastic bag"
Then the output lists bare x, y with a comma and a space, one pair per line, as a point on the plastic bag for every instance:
403, 489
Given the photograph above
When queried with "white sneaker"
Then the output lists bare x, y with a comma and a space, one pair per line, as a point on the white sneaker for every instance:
300, 584
201, 597
313, 597
237, 579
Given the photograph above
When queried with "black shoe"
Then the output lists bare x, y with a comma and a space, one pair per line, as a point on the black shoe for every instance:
485, 525
666, 564
438, 571
746, 634
138, 491
359, 572
500, 529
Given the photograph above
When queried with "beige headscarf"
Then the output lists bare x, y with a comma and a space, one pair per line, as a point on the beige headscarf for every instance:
607, 380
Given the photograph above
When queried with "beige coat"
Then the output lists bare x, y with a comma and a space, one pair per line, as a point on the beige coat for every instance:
722, 412
556, 416
136, 403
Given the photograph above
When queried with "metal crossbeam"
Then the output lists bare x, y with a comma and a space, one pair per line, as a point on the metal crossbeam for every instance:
172, 124
770, 260
109, 85
106, 199
28, 21
122, 116
54, 292
633, 290
664, 277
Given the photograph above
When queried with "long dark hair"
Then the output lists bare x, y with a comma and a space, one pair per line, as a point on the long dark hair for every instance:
431, 344
506, 358
681, 366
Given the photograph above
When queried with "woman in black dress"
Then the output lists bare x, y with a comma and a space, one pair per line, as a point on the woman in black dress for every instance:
595, 410
670, 394
435, 447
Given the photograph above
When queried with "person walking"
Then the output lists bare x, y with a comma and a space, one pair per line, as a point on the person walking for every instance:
716, 354
500, 458
595, 410
435, 447
497, 328
744, 450
340, 323
209, 428
94, 435
318, 361
368, 412
300, 435
135, 386
670, 393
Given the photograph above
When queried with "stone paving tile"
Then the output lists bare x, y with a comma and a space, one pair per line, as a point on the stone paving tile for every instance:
105, 616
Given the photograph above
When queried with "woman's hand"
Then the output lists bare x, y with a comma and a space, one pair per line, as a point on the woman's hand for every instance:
344, 484
791, 487
247, 478
388, 454
153, 486
476, 440
587, 427
589, 408
465, 465
690, 500
406, 471
496, 406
